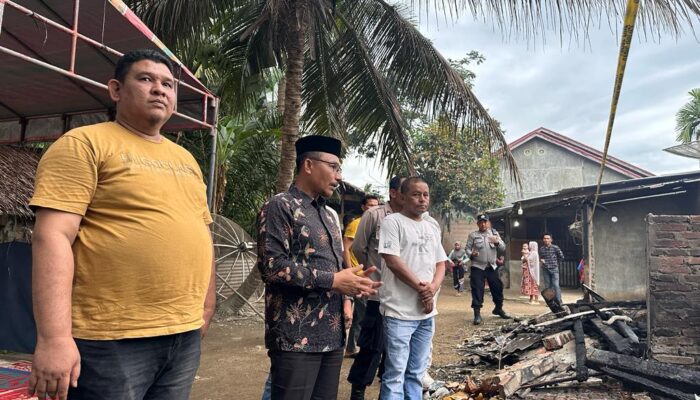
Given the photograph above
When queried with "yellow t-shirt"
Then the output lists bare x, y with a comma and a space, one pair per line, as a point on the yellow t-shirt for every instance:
350, 232
143, 252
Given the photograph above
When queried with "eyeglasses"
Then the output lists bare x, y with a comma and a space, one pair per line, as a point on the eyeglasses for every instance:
335, 166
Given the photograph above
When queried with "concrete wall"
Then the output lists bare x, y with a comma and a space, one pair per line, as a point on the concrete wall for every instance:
459, 231
546, 168
673, 259
619, 247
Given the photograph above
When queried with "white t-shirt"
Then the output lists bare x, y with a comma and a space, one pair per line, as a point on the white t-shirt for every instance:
419, 246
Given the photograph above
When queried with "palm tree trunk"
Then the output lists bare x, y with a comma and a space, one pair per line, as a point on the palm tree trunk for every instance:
296, 30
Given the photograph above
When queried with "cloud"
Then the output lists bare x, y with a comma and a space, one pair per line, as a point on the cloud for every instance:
567, 88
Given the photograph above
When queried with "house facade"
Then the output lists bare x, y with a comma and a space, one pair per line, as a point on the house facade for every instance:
549, 161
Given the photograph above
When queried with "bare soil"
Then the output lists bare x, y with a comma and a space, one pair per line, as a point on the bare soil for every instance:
235, 363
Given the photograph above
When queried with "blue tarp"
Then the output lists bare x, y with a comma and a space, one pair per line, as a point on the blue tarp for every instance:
17, 327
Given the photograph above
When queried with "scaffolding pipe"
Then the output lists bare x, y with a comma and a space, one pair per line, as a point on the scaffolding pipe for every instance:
86, 39
74, 35
211, 180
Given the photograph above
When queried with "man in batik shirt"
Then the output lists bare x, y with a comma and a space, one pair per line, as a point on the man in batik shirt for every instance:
300, 257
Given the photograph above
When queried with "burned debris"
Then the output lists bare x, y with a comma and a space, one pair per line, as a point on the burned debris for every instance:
592, 342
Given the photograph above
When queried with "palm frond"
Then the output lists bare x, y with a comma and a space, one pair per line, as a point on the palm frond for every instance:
371, 105
420, 76
688, 119
533, 18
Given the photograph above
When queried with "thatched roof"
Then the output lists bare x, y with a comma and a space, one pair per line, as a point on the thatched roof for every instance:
17, 169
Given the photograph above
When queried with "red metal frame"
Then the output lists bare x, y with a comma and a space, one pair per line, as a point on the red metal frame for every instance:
208, 100
75, 35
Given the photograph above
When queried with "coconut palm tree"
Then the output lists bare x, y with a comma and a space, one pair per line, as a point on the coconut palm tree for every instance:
348, 62
688, 119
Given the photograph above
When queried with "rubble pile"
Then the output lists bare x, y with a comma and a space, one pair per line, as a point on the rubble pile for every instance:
579, 345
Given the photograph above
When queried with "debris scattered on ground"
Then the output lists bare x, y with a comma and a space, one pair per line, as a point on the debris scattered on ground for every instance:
591, 346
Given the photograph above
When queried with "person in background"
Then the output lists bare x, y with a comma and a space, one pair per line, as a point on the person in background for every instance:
482, 247
551, 257
458, 258
359, 305
531, 271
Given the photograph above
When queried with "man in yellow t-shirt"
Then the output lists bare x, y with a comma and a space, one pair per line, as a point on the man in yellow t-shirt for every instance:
123, 280
358, 312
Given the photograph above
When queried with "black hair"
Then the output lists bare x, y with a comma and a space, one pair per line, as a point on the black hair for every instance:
407, 183
127, 60
395, 182
369, 197
303, 156
547, 234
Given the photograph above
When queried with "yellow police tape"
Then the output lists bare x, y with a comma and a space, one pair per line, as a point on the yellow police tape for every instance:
630, 19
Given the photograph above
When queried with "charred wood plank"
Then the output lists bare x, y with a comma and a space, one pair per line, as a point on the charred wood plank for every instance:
621, 326
687, 379
591, 294
558, 381
617, 343
581, 369
578, 315
647, 384
550, 297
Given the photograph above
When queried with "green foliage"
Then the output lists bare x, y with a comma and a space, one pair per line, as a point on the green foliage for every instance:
688, 119
463, 180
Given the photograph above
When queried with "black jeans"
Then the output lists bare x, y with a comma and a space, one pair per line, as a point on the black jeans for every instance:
458, 277
476, 281
371, 341
358, 314
305, 376
154, 368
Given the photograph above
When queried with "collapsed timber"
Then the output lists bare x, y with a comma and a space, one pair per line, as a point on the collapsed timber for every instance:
592, 342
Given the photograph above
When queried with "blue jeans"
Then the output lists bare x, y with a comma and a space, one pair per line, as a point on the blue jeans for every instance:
551, 280
154, 368
267, 389
407, 346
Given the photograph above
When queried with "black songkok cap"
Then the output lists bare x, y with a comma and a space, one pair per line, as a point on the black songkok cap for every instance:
324, 144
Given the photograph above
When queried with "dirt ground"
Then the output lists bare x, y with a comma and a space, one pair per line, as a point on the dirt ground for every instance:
235, 363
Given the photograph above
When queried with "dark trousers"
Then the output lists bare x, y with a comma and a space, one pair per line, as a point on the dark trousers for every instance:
371, 341
476, 281
458, 277
305, 376
358, 314
161, 367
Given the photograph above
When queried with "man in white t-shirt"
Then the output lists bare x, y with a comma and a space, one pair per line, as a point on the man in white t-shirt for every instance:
412, 271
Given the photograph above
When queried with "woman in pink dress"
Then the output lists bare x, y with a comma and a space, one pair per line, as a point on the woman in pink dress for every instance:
531, 271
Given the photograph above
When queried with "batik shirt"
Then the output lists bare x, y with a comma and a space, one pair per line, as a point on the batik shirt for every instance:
299, 251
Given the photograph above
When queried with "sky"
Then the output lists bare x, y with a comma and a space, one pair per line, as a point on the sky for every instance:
568, 88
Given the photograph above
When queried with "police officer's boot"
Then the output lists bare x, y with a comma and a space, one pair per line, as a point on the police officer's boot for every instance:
357, 392
477, 316
499, 311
